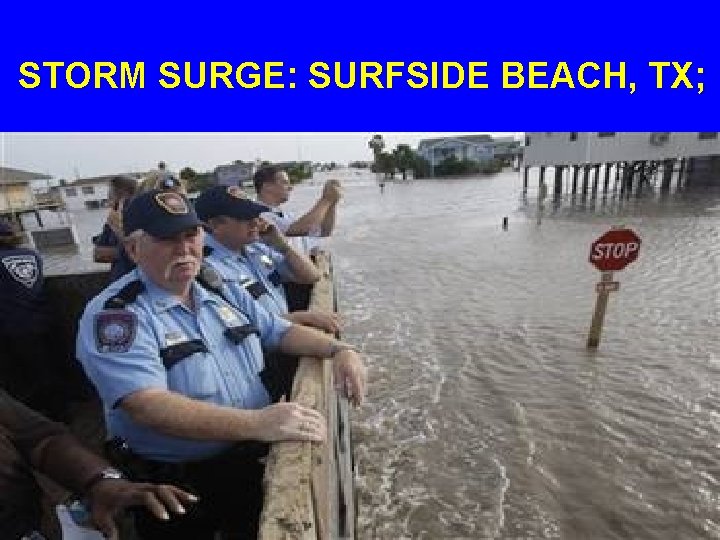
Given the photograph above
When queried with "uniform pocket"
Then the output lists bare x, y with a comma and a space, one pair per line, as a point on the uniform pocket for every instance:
194, 377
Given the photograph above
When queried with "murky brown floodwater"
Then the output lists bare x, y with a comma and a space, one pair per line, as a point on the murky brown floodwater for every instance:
487, 417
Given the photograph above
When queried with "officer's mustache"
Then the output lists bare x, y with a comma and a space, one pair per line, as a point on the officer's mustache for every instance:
185, 259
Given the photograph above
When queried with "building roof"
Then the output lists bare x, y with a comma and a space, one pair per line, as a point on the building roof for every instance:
470, 139
9, 175
103, 179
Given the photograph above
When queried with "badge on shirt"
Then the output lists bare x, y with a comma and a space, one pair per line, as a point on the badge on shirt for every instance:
22, 268
115, 330
227, 314
173, 338
267, 261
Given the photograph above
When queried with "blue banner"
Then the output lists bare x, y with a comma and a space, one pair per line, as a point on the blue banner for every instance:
453, 66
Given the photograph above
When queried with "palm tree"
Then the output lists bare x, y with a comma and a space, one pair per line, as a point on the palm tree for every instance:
376, 144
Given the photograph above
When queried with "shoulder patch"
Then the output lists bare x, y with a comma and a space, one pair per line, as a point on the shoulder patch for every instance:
115, 330
22, 268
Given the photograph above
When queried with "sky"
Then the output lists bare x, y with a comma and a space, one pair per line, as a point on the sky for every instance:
80, 155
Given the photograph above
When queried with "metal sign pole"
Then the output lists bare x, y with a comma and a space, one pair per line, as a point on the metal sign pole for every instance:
600, 305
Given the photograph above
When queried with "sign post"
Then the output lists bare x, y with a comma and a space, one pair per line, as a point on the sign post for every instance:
613, 251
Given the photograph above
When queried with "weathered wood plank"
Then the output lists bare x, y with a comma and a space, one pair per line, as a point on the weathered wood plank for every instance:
288, 508
323, 475
345, 474
305, 490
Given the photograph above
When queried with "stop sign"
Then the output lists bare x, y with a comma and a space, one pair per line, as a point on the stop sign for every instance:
614, 250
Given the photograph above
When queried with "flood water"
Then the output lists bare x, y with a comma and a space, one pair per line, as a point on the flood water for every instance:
487, 416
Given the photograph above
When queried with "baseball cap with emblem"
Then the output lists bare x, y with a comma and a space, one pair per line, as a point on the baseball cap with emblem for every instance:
228, 201
159, 213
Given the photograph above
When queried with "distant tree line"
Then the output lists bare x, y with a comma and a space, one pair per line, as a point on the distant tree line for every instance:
196, 181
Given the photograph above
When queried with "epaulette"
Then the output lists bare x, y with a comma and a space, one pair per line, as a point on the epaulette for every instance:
209, 278
127, 295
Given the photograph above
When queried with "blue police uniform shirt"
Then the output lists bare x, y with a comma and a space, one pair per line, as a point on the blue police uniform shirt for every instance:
259, 263
120, 352
304, 244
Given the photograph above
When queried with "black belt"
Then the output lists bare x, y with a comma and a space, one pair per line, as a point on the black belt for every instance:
142, 469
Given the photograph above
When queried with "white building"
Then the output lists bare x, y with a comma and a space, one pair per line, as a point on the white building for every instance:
16, 194
236, 174
579, 148
90, 193
472, 147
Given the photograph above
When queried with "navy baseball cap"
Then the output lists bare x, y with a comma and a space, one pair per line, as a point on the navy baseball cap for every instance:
160, 213
228, 201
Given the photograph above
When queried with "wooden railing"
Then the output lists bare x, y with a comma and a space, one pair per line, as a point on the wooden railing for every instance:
309, 487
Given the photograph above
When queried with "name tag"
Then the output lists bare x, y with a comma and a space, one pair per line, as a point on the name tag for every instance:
173, 338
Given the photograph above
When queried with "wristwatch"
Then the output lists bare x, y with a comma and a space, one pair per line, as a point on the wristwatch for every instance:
336, 347
108, 473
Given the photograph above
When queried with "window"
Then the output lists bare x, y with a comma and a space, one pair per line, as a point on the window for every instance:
704, 135
604, 134
573, 135
527, 140
659, 138
71, 192
88, 190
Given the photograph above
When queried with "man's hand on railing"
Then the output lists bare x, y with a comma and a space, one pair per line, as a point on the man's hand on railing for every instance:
329, 322
350, 375
289, 421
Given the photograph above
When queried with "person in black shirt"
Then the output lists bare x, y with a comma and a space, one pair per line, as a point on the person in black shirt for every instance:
30, 442
108, 246
30, 368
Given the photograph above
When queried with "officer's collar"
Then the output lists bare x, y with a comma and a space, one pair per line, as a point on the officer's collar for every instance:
163, 300
226, 254
219, 250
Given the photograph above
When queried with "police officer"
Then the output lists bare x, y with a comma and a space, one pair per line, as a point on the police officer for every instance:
273, 188
108, 247
178, 369
234, 248
31, 370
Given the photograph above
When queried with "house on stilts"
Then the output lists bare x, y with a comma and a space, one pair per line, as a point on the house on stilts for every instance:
622, 163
